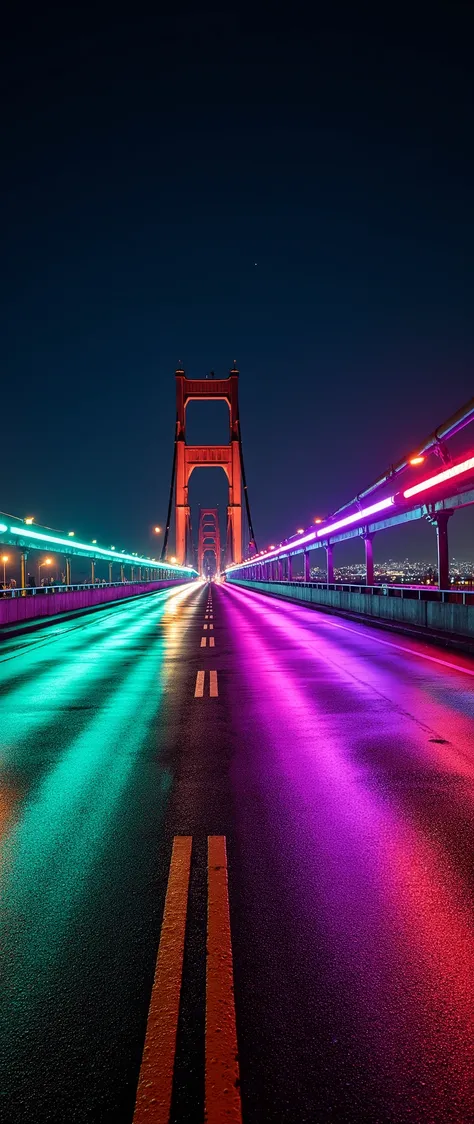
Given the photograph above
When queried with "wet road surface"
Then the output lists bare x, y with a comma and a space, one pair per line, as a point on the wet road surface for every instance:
311, 801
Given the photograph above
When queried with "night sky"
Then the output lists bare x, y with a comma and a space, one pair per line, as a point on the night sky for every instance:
293, 192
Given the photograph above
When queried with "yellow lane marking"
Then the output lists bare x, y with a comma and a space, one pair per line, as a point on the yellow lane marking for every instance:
214, 691
206, 616
222, 1091
199, 689
204, 626
153, 1101
211, 626
211, 641
203, 641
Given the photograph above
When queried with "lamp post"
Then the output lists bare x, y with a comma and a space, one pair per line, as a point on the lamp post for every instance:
46, 562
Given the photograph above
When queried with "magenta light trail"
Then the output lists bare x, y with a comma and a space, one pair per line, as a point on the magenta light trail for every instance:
284, 548
356, 517
447, 474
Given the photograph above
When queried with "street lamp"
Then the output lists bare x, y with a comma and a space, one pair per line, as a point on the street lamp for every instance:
5, 558
157, 530
47, 562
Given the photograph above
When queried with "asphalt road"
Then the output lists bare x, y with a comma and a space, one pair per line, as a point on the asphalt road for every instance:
332, 768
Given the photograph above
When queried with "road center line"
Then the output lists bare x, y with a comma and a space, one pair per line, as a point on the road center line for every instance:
199, 689
222, 1091
153, 1100
214, 690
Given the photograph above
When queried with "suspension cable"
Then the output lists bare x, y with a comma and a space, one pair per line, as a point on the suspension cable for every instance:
246, 494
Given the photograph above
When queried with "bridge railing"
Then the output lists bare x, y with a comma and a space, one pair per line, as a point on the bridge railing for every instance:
28, 591
405, 592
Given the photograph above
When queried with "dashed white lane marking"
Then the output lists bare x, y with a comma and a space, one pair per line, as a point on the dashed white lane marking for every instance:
200, 684
211, 626
211, 641
205, 626
203, 641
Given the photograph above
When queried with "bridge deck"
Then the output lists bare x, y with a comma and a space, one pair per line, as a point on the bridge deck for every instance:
332, 766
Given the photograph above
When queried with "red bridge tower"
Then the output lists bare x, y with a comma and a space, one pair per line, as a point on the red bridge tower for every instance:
188, 457
209, 539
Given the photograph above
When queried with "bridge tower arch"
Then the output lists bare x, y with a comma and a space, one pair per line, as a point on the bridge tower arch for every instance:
209, 539
188, 457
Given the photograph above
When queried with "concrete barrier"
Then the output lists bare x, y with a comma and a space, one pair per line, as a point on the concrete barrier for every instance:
13, 610
431, 616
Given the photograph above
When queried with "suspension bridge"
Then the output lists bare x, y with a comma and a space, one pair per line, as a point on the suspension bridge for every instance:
236, 812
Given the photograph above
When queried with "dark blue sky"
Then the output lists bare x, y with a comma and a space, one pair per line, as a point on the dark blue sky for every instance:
148, 163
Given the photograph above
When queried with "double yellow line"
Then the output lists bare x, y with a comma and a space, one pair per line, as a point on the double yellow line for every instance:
155, 1083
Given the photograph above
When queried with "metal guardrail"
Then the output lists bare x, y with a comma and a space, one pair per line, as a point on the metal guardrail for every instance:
35, 590
417, 593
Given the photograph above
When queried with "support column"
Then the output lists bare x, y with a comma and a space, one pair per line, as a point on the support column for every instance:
110, 572
235, 503
122, 573
93, 572
290, 568
280, 569
68, 571
132, 573
369, 559
139, 573
23, 558
329, 564
307, 569
440, 520
181, 502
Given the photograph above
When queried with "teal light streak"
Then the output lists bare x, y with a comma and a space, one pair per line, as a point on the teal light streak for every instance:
71, 819
3, 527
62, 677
86, 547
